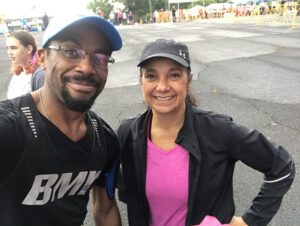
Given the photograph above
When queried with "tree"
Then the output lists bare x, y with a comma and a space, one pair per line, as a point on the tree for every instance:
104, 5
141, 8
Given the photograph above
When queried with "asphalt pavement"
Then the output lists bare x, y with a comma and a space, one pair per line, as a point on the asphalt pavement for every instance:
251, 73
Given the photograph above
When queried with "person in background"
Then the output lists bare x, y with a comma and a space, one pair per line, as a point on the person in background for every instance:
161, 15
130, 17
45, 21
174, 13
155, 16
99, 12
54, 149
28, 75
24, 24
125, 19
178, 161
120, 17
112, 17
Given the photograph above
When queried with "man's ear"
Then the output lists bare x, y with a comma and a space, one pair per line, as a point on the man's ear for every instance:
43, 58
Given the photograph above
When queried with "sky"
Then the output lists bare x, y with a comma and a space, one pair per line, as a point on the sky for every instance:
21, 8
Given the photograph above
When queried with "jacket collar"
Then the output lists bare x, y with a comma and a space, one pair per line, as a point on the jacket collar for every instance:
187, 136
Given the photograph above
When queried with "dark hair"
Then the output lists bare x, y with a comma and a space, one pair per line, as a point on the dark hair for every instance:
25, 39
190, 98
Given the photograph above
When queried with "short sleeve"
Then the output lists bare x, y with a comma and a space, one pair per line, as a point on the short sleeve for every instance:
38, 79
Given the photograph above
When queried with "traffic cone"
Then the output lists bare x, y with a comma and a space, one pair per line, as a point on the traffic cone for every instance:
141, 21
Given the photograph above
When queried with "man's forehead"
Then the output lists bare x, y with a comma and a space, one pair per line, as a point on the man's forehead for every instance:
79, 31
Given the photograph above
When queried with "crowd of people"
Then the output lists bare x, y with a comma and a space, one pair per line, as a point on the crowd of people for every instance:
177, 161
120, 18
220, 10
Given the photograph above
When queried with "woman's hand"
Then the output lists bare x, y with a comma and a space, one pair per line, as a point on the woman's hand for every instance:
237, 221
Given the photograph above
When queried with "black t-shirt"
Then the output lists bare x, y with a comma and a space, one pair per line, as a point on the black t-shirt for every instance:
45, 177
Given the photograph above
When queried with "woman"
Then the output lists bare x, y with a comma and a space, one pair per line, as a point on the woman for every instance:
178, 161
27, 74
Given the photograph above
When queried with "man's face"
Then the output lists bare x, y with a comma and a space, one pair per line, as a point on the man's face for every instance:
77, 83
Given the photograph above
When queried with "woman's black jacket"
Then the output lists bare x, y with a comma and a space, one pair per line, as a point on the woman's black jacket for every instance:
215, 143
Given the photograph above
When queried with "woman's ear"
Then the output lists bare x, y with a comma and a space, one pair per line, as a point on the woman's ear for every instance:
190, 79
43, 58
30, 48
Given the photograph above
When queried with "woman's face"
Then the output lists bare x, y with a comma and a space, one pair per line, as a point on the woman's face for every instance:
164, 84
18, 54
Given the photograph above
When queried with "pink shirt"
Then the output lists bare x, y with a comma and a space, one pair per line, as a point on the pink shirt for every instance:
167, 185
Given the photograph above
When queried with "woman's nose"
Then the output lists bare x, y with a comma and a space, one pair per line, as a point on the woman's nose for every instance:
163, 85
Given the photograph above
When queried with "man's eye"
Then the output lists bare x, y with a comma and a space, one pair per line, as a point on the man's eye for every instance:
100, 59
71, 53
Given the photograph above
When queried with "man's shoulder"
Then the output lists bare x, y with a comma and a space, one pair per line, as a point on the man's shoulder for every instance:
14, 108
100, 123
10, 117
9, 109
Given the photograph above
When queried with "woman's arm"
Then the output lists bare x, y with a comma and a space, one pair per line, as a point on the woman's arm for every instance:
253, 149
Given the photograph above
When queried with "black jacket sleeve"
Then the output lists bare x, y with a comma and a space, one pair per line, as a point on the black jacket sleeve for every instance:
11, 141
253, 149
120, 182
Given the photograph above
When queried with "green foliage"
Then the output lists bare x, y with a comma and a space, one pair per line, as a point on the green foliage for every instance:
104, 5
141, 8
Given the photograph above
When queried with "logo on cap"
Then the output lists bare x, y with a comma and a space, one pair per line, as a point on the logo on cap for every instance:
182, 54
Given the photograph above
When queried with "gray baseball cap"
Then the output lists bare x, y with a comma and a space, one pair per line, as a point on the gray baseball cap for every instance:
167, 48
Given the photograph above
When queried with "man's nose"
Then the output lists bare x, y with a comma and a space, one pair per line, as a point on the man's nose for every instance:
86, 65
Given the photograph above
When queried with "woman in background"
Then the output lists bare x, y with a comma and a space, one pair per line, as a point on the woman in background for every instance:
178, 161
28, 76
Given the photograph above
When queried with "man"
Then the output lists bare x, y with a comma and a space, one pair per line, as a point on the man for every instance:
45, 21
53, 149
174, 13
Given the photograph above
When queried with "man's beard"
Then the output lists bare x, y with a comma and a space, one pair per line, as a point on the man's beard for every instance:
77, 104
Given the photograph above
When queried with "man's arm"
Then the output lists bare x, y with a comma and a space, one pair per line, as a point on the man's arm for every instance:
11, 141
105, 211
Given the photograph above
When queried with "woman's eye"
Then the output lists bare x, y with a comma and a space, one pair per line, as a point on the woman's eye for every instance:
150, 76
175, 75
